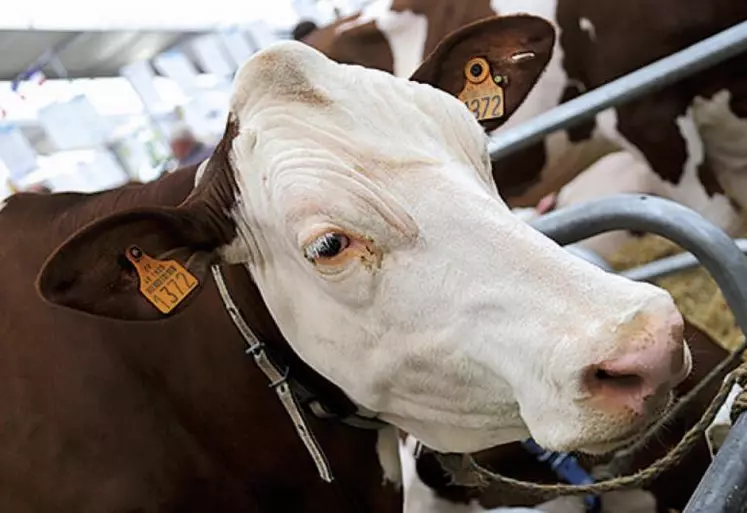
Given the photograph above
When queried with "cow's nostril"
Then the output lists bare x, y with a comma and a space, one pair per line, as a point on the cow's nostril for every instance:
620, 380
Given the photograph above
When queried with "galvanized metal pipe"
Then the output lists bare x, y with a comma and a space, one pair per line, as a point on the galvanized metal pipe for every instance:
661, 73
723, 488
670, 265
589, 256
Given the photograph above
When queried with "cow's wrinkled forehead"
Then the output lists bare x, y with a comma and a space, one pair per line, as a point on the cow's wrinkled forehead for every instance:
293, 94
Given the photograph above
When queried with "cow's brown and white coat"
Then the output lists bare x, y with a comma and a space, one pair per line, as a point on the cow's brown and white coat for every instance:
365, 241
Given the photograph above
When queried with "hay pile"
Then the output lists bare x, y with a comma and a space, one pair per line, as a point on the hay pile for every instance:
696, 294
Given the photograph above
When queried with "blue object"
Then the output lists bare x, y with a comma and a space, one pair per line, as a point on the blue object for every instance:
567, 468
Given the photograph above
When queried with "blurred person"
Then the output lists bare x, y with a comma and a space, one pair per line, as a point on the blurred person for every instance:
187, 149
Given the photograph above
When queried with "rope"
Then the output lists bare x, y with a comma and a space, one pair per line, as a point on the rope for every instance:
740, 405
464, 471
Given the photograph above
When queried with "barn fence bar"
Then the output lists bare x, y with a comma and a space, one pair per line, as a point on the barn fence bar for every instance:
670, 265
661, 73
723, 488
590, 256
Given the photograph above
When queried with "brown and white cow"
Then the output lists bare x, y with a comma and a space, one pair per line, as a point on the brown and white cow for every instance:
689, 139
362, 241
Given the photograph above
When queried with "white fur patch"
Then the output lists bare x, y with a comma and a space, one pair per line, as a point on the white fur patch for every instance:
526, 214
387, 447
419, 498
695, 148
406, 33
587, 26
369, 13
725, 138
201, 170
690, 191
719, 429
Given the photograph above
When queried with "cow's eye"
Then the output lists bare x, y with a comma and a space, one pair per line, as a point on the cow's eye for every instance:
326, 246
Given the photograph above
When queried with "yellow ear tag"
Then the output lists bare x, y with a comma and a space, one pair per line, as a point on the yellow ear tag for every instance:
164, 283
482, 93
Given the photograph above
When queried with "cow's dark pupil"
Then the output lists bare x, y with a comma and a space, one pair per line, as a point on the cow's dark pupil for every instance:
330, 246
476, 69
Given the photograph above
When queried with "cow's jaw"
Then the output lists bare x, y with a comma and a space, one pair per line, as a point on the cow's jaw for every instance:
443, 312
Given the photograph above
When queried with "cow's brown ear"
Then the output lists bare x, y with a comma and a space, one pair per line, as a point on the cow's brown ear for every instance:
494, 57
141, 264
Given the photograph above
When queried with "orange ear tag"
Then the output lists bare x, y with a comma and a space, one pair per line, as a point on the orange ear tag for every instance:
482, 93
164, 283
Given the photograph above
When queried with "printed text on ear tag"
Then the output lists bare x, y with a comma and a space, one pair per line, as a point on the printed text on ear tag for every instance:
165, 283
482, 93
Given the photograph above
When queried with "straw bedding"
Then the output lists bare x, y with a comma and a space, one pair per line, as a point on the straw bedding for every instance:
694, 291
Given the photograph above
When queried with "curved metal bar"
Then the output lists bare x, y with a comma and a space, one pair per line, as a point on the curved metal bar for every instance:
589, 256
723, 488
670, 265
716, 251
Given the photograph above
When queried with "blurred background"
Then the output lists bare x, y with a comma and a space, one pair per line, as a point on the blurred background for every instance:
94, 99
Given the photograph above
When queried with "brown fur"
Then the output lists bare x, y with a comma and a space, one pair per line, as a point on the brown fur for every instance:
106, 416
107, 406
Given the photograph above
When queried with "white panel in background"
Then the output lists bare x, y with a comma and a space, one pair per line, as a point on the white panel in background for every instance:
237, 45
142, 78
89, 171
16, 153
74, 124
211, 57
176, 66
5, 188
307, 9
79, 15
261, 34
206, 114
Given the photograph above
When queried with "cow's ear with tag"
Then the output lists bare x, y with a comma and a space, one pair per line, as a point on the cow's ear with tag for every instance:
141, 264
150, 262
491, 65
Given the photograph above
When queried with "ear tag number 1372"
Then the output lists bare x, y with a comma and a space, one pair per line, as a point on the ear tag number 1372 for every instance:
481, 93
164, 283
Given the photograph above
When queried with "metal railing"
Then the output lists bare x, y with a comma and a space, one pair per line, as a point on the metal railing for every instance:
670, 265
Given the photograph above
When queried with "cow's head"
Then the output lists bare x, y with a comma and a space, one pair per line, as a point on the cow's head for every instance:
364, 208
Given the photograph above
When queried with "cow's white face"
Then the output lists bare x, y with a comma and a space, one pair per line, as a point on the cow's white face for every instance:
370, 222
366, 214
